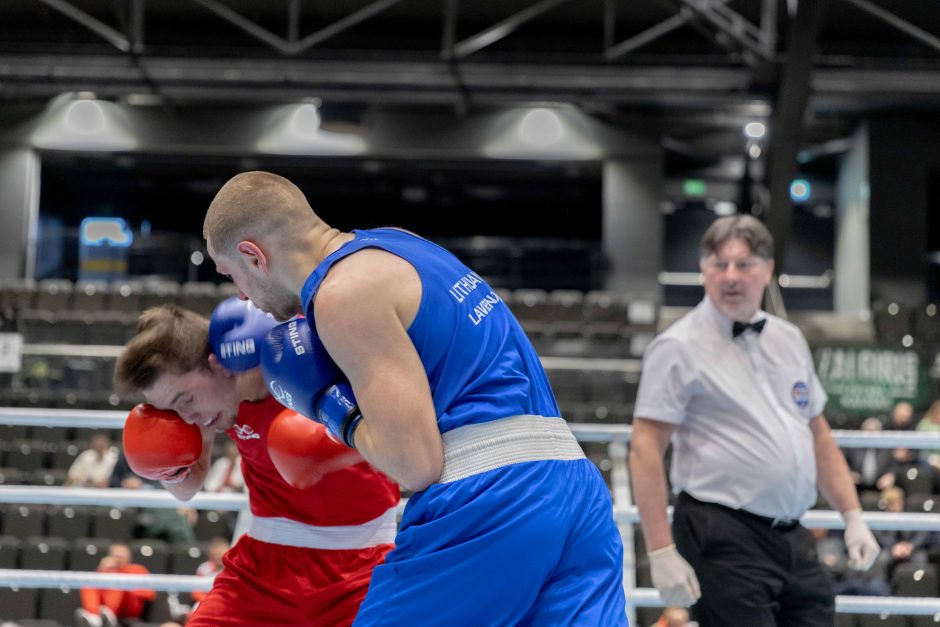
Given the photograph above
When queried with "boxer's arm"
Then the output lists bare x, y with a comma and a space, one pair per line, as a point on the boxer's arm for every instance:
362, 312
196, 477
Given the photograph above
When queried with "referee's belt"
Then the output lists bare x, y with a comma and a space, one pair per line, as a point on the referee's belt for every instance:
780, 524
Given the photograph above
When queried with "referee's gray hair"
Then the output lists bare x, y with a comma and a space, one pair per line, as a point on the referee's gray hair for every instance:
742, 226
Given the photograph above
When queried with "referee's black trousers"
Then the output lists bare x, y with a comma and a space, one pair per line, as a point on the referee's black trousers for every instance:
751, 574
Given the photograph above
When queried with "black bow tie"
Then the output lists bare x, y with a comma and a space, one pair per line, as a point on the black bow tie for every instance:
740, 327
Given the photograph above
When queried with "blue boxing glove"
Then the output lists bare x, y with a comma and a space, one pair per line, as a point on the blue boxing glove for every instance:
237, 331
301, 375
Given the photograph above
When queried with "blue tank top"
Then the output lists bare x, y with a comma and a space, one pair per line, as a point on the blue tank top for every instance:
479, 362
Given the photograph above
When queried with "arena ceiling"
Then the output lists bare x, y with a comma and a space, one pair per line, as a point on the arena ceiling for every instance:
704, 66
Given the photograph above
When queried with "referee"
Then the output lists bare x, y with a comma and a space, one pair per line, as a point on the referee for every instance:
736, 388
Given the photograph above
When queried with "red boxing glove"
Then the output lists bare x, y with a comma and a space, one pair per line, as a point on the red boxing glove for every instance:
159, 445
303, 451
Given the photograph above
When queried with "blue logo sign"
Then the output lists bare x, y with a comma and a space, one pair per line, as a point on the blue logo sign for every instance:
800, 394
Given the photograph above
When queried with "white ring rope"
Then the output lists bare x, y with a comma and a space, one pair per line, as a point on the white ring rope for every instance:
637, 597
11, 578
100, 419
161, 499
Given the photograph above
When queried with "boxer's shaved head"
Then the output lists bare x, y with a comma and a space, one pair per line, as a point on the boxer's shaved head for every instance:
257, 206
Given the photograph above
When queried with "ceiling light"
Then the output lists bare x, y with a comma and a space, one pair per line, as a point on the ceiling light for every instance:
755, 130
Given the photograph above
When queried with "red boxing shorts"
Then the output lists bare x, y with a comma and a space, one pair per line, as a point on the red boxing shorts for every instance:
271, 584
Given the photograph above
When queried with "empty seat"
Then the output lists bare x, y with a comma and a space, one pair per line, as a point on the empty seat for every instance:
846, 620
13, 476
605, 308
160, 293
49, 477
13, 432
66, 453
59, 604
27, 455
38, 327
186, 558
53, 294
914, 580
90, 296
532, 309
201, 297
111, 328
211, 524
158, 610
17, 294
922, 503
884, 619
18, 604
914, 480
567, 311
153, 554
114, 523
69, 521
44, 554
125, 296
892, 321
10, 551
23, 521
568, 385
609, 387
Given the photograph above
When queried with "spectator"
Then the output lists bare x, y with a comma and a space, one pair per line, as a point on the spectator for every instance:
867, 465
213, 565
171, 525
905, 468
225, 475
830, 548
673, 617
928, 424
104, 608
123, 477
92, 468
209, 568
899, 546
902, 417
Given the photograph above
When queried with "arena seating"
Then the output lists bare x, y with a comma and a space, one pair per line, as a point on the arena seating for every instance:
76, 331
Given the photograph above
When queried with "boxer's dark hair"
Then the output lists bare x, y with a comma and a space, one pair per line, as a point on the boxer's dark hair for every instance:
169, 339
745, 227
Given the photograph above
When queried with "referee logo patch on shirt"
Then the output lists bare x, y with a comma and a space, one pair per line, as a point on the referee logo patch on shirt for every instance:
800, 394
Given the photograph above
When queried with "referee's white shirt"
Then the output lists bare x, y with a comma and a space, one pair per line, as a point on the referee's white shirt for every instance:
741, 407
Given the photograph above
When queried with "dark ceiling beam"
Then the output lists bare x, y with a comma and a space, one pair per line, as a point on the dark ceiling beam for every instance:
613, 52
240, 21
897, 22
503, 29
731, 25
24, 77
343, 24
768, 26
786, 127
92, 23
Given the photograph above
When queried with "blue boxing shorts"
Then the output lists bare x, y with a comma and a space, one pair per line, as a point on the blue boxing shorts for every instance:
532, 543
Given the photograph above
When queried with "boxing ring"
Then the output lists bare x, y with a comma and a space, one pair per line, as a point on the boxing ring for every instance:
615, 436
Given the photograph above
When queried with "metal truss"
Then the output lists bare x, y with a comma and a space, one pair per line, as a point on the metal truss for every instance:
747, 46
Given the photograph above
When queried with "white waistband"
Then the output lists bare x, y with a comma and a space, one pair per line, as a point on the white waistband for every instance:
473, 449
288, 532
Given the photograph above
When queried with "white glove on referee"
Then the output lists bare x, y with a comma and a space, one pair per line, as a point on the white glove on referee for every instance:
674, 578
860, 544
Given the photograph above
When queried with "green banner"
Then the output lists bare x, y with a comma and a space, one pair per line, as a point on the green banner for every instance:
870, 379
